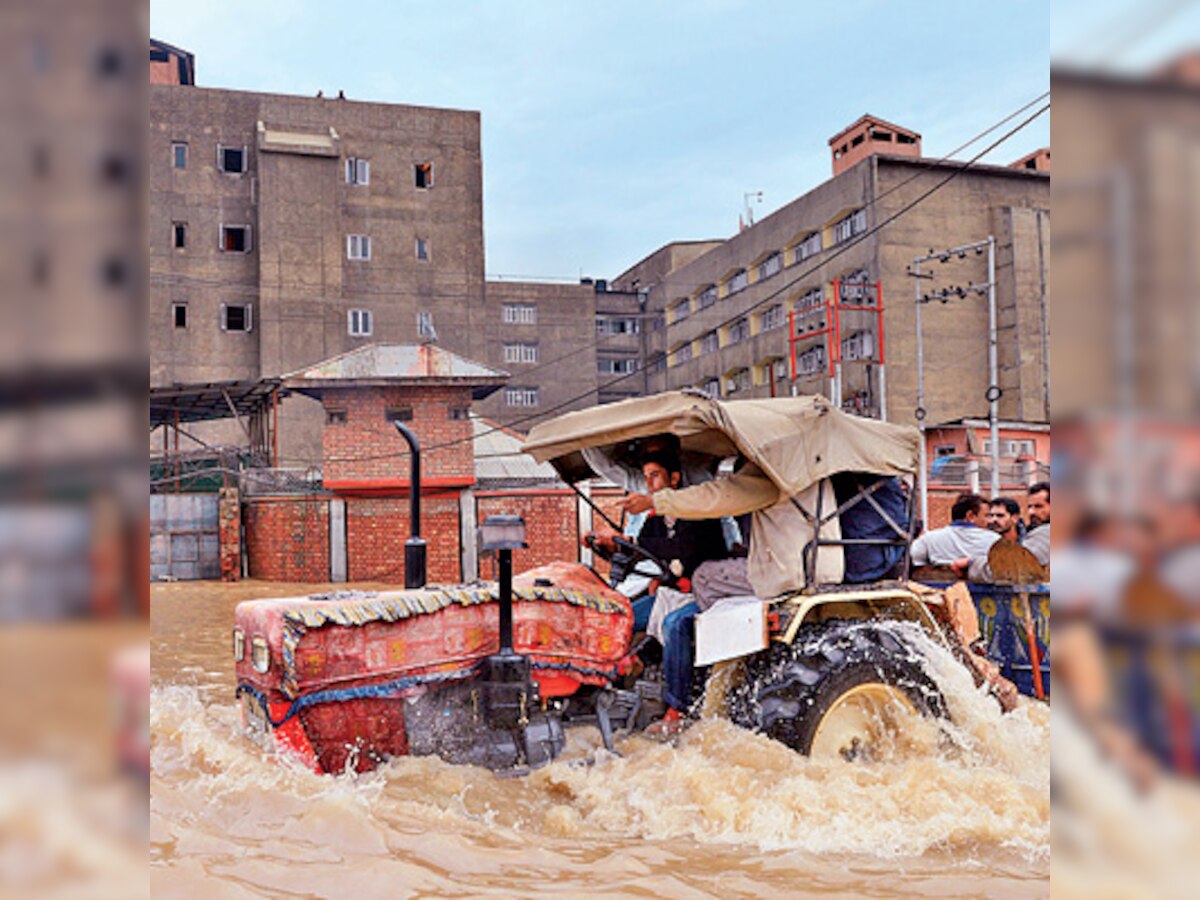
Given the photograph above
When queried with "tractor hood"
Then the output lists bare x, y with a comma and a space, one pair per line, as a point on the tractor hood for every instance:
795, 441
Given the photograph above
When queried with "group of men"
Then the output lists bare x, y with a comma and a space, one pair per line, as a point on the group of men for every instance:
976, 524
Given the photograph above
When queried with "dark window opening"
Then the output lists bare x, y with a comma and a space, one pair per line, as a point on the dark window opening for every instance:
857, 140
233, 160
459, 413
179, 235
335, 417
237, 318
422, 249
423, 175
179, 152
905, 139
881, 136
179, 311
235, 239
400, 414
1031, 163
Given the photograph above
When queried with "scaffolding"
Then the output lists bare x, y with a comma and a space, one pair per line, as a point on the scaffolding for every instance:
870, 296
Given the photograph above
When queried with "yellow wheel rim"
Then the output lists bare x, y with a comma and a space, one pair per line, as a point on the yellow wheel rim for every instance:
861, 723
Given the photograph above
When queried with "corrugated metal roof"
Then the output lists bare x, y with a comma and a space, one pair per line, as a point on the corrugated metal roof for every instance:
398, 361
498, 457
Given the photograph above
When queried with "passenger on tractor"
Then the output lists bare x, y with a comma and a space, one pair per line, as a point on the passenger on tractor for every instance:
966, 537
682, 544
779, 530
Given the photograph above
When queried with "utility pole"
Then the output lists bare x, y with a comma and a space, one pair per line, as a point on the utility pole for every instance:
944, 295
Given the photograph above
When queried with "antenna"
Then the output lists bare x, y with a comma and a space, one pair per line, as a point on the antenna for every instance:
747, 210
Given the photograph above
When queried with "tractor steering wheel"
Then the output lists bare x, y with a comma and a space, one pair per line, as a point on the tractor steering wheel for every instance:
625, 558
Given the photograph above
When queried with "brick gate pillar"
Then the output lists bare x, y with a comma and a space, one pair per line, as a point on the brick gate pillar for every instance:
229, 524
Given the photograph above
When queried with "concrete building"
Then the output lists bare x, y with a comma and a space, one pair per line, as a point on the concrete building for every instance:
721, 320
286, 230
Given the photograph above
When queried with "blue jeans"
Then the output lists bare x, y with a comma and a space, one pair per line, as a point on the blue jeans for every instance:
679, 652
642, 608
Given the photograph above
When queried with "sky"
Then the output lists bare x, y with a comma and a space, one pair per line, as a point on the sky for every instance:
612, 128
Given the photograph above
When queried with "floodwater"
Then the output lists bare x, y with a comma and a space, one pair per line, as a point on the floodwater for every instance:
721, 813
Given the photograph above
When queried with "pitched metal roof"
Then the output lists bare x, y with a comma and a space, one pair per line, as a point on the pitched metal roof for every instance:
381, 365
499, 460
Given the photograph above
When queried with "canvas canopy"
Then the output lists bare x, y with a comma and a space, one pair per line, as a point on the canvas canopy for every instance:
795, 441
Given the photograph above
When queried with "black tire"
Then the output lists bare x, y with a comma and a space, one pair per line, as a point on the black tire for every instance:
789, 689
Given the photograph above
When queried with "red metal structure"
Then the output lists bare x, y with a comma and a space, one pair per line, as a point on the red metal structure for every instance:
834, 307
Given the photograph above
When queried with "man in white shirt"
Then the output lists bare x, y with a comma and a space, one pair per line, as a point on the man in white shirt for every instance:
1037, 540
967, 535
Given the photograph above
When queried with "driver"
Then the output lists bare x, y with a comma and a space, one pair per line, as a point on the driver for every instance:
683, 544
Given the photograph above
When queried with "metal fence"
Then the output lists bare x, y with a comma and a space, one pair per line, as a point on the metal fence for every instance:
261, 482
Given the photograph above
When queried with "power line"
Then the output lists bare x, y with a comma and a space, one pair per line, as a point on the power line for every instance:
853, 242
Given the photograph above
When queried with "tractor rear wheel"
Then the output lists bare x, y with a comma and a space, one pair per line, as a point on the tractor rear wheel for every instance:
842, 689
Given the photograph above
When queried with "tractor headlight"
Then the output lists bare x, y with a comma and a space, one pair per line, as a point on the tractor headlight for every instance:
239, 645
260, 654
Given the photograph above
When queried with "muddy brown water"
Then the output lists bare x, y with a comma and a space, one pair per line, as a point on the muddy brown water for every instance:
721, 813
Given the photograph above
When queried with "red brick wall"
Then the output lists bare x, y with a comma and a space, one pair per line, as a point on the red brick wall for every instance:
551, 526
377, 527
287, 538
368, 447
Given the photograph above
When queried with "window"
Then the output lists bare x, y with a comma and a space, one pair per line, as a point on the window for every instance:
657, 364
860, 345
616, 366
780, 367
709, 343
231, 159
235, 238
770, 265
942, 450
459, 413
422, 248
809, 246
706, 297
739, 331
398, 414
359, 323
772, 317
712, 387
810, 298
423, 175
737, 381
857, 288
521, 396
520, 353
519, 314
682, 354
179, 235
811, 360
358, 171
1010, 449
658, 321
425, 327
855, 223
680, 311
358, 246
335, 417
616, 325
236, 317
179, 314
736, 282
179, 155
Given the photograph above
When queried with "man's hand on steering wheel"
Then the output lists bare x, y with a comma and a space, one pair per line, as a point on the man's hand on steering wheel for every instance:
669, 575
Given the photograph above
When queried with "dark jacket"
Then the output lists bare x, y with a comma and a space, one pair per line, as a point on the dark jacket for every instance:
691, 541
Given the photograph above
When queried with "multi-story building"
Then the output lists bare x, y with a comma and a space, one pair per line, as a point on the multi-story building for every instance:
286, 230
726, 318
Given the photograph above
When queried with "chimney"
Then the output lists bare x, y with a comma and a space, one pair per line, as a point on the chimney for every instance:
870, 135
